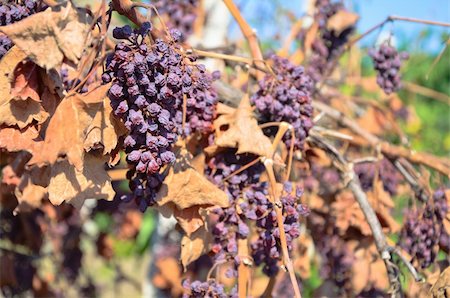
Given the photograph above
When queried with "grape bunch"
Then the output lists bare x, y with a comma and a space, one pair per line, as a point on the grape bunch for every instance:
423, 228
150, 84
386, 171
210, 288
328, 45
387, 62
10, 12
285, 97
266, 249
181, 14
232, 221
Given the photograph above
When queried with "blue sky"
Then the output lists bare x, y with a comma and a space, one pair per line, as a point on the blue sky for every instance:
262, 15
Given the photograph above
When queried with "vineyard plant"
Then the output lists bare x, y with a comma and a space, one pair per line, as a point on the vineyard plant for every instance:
148, 149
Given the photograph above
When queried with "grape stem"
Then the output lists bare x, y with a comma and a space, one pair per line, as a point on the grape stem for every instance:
277, 205
248, 32
441, 165
381, 24
248, 61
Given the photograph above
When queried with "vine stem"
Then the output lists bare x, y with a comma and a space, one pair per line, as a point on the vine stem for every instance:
248, 32
268, 164
354, 185
243, 268
441, 165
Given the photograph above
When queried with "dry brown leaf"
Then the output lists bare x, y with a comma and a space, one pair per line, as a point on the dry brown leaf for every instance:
68, 126
24, 83
12, 111
195, 245
32, 188
441, 288
348, 214
21, 112
243, 132
185, 187
50, 36
104, 130
7, 65
382, 203
189, 219
73, 186
342, 20
13, 139
374, 121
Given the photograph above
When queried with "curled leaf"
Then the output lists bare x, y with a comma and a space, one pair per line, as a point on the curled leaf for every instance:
67, 129
104, 130
243, 131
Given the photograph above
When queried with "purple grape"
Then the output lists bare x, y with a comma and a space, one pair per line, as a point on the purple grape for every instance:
181, 15
423, 229
328, 44
387, 62
285, 97
147, 94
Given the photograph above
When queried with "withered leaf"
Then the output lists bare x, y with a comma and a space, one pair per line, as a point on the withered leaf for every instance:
243, 132
67, 129
12, 111
348, 214
195, 245
382, 203
189, 219
73, 186
14, 139
50, 36
32, 188
342, 20
104, 130
185, 187
441, 288
24, 83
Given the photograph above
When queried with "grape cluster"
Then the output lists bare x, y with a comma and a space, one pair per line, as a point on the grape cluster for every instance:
387, 62
209, 289
328, 45
232, 221
150, 84
423, 228
386, 171
266, 249
11, 12
285, 97
181, 14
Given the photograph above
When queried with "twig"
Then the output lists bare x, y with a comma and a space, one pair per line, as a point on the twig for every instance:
243, 268
407, 263
426, 92
248, 32
354, 185
268, 163
125, 8
439, 164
